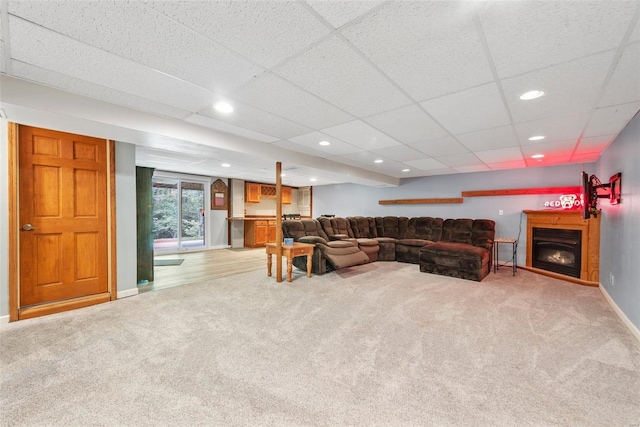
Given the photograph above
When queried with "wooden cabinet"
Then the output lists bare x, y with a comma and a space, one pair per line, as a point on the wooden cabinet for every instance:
252, 192
259, 232
286, 195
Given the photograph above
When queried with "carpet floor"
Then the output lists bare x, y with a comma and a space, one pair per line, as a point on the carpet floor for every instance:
379, 344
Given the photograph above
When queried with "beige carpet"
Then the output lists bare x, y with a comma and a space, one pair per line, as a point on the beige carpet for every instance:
380, 344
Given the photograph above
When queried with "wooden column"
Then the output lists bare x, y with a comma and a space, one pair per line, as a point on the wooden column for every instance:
278, 222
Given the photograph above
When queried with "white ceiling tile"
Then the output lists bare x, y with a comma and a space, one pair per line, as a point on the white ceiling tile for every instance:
609, 120
35, 45
554, 128
133, 32
400, 153
273, 94
3, 66
336, 148
426, 164
361, 135
500, 155
547, 161
635, 36
442, 171
518, 164
470, 110
288, 145
476, 168
624, 85
265, 32
488, 139
530, 35
585, 157
458, 160
338, 13
92, 90
210, 123
260, 121
334, 72
571, 87
429, 48
550, 149
594, 144
407, 124
440, 147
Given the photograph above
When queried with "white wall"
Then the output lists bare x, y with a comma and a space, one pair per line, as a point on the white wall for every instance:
351, 199
4, 223
127, 256
620, 224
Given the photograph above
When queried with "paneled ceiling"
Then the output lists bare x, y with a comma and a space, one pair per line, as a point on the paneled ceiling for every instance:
427, 88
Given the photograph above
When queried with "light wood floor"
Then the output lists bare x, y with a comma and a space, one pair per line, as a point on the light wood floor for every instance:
205, 265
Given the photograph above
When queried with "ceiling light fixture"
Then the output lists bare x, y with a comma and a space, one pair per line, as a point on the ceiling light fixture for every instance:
537, 138
537, 156
313, 179
532, 94
282, 174
223, 107
378, 161
324, 143
226, 165
406, 170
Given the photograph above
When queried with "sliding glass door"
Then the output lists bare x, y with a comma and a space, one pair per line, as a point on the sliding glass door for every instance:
178, 214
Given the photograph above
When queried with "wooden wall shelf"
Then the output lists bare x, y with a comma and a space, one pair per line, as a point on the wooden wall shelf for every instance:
523, 191
420, 201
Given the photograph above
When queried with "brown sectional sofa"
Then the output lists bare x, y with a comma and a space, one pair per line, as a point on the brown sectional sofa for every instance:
453, 247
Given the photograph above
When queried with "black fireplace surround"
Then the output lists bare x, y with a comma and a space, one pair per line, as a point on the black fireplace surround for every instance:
557, 250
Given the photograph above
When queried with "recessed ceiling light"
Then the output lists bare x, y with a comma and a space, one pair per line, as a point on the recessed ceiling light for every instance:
537, 156
537, 138
406, 170
532, 94
282, 174
226, 165
324, 143
378, 161
313, 179
223, 107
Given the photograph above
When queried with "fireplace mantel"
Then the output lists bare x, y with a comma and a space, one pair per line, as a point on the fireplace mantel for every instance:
569, 220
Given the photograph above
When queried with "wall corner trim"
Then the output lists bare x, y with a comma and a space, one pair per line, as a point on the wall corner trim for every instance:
632, 328
127, 293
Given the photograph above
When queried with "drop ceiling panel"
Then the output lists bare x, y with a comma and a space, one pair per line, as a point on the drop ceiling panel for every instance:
299, 148
400, 153
476, 168
133, 32
264, 32
440, 147
248, 117
547, 161
609, 120
501, 155
517, 164
540, 34
339, 13
426, 164
571, 87
336, 73
550, 149
488, 139
404, 39
407, 124
470, 110
3, 67
624, 85
271, 93
210, 123
459, 160
594, 144
37, 46
337, 147
585, 158
554, 128
361, 135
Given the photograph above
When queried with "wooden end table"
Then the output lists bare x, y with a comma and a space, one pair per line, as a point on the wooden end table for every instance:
514, 253
291, 251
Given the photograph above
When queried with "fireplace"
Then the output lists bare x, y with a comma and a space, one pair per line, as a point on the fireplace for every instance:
557, 250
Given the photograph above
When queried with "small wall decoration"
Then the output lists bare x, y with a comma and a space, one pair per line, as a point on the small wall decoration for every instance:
566, 201
219, 195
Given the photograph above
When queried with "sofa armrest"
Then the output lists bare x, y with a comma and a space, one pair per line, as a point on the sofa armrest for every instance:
312, 239
339, 237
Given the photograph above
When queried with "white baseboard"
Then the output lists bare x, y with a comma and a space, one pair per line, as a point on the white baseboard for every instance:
632, 328
128, 293
4, 320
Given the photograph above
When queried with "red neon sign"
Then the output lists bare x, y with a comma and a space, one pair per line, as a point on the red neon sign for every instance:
566, 201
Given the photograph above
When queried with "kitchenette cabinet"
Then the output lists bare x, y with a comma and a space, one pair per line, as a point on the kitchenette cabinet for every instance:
259, 232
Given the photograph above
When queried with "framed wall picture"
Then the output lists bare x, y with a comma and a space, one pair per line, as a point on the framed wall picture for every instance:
219, 195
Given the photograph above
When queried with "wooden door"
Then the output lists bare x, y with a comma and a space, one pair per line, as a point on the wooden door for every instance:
63, 216
271, 232
260, 233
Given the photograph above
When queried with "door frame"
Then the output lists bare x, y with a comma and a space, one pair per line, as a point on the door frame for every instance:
17, 313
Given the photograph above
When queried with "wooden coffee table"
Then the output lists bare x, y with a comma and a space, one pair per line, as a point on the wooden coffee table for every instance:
291, 251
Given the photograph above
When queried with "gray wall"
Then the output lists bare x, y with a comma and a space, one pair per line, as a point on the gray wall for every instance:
126, 217
620, 224
352, 199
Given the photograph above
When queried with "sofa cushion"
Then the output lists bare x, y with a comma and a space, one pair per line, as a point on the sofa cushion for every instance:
413, 242
341, 226
367, 242
311, 239
457, 230
456, 255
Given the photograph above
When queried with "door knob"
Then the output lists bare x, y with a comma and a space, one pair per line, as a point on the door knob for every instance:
28, 227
